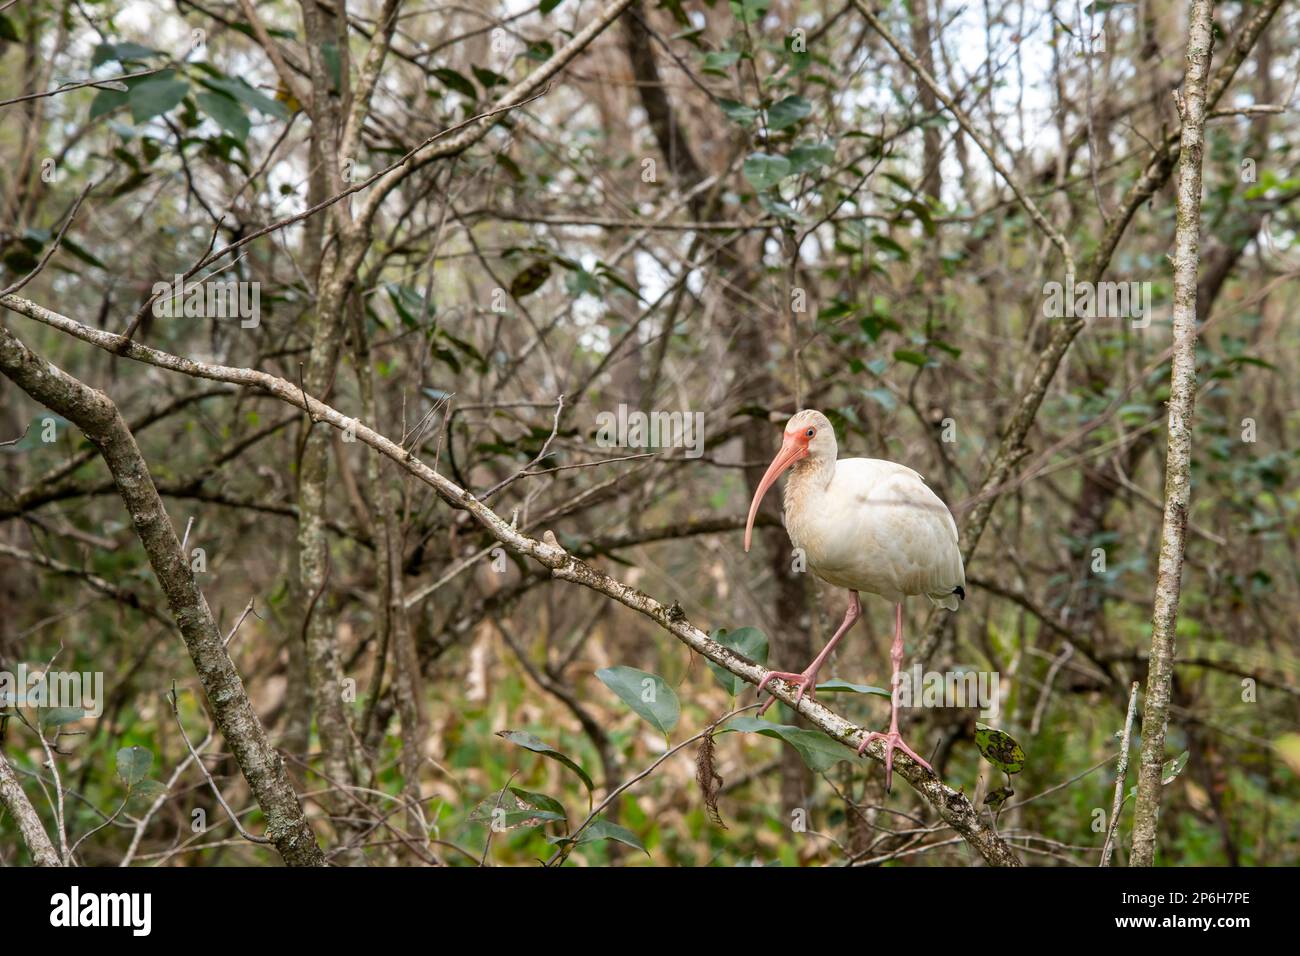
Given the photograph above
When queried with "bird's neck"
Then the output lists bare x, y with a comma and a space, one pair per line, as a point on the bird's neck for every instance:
810, 476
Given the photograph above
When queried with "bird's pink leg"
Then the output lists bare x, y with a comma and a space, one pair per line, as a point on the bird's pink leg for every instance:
893, 741
807, 680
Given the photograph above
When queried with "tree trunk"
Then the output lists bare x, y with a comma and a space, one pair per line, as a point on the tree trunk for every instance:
1182, 397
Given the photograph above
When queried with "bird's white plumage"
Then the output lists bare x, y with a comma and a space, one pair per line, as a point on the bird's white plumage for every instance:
874, 526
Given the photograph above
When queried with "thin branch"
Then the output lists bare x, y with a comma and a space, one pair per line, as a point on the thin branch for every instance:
1121, 776
106, 83
216, 791
54, 246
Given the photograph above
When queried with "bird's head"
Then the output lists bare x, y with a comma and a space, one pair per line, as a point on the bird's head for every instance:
808, 434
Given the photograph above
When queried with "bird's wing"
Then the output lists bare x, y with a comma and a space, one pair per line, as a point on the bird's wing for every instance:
912, 532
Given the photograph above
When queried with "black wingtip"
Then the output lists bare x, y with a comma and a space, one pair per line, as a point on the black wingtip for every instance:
960, 592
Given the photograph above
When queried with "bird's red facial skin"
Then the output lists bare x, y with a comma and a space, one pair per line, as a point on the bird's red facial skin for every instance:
793, 447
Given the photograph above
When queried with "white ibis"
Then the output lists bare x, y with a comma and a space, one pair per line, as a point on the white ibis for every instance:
866, 525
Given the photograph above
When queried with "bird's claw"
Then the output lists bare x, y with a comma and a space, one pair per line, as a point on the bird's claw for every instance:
805, 683
893, 741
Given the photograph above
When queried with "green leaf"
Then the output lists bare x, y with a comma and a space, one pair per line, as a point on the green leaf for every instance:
918, 359
764, 170
720, 62
456, 82
133, 764
121, 52
882, 397
645, 693
144, 793
489, 78
889, 245
526, 740
746, 641
899, 181
540, 800
786, 113
513, 810
612, 276
546, 6
837, 686
250, 97
738, 112
1101, 6
333, 64
511, 167
105, 102
60, 716
749, 11
1173, 768
1000, 749
530, 279
775, 206
922, 214
810, 155
539, 51
838, 309
155, 97
81, 253
995, 798
226, 110
818, 751
601, 829
408, 303
8, 31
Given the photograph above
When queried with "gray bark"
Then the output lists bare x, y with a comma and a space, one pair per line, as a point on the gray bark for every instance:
29, 824
1182, 397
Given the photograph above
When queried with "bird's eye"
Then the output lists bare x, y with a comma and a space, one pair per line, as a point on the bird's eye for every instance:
810, 432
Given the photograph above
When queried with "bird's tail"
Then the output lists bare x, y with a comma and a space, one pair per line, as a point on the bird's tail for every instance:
948, 599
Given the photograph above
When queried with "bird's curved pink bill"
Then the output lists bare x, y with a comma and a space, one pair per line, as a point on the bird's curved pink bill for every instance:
793, 447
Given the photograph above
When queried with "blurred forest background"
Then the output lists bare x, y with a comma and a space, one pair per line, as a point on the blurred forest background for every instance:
735, 208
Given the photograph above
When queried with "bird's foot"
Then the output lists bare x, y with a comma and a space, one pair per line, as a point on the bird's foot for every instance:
893, 741
806, 682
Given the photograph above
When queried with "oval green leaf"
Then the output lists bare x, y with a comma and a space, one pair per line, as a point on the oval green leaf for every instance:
133, 764
155, 97
60, 716
818, 751
1000, 749
786, 113
764, 170
837, 686
604, 830
1173, 768
526, 740
227, 113
645, 693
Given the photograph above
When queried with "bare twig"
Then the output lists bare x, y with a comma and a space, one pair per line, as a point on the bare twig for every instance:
1121, 776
